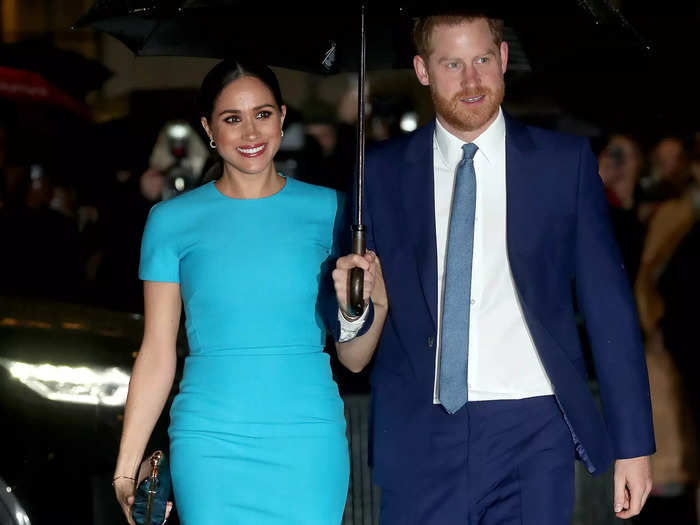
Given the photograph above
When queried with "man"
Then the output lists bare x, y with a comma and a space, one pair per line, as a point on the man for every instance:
489, 232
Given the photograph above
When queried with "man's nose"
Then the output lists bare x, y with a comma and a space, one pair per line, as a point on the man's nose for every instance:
470, 76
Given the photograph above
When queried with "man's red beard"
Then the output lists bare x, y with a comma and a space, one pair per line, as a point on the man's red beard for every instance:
462, 117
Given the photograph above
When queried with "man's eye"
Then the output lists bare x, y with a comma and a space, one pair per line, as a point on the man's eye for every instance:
263, 114
452, 65
482, 60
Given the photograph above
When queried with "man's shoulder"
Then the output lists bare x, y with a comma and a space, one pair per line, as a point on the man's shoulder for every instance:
544, 138
399, 146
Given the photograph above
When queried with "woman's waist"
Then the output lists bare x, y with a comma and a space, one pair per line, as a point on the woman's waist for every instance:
255, 369
258, 330
249, 388
244, 350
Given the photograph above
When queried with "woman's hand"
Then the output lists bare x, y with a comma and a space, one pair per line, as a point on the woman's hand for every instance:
378, 294
357, 352
372, 271
124, 489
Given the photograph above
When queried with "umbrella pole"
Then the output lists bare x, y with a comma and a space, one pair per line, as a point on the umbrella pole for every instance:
356, 282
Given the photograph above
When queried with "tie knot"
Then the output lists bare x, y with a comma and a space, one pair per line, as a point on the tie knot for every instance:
469, 151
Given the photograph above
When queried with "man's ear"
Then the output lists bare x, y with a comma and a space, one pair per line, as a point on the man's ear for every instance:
421, 69
504, 56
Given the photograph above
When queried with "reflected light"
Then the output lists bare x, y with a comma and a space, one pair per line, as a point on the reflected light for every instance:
38, 324
12, 506
177, 131
22, 518
91, 386
409, 121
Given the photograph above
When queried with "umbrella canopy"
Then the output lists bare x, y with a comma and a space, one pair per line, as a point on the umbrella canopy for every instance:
549, 35
21, 85
68, 71
293, 37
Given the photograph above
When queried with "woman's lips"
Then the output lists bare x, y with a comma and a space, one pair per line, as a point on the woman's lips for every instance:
252, 150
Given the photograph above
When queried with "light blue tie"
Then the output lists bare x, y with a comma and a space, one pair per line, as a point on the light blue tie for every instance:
454, 342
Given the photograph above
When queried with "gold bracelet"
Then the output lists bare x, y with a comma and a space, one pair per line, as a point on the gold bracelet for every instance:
122, 477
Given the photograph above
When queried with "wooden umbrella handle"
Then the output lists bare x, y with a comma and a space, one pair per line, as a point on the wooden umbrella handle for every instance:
357, 275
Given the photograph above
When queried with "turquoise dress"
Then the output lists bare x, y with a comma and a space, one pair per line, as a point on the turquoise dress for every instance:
257, 432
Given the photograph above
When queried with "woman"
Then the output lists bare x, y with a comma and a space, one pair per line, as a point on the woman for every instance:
257, 432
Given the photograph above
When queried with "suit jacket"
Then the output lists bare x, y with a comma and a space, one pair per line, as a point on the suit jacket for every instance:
562, 253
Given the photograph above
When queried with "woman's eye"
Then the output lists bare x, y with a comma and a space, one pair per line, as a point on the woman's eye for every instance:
232, 119
263, 114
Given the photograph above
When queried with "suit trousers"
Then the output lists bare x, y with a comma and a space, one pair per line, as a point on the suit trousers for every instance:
514, 464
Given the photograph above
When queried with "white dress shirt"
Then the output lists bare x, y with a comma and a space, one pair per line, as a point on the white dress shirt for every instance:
503, 362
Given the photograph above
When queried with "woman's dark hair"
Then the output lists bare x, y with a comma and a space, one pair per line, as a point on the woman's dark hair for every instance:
226, 72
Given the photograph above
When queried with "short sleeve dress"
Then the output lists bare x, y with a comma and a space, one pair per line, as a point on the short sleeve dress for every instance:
257, 431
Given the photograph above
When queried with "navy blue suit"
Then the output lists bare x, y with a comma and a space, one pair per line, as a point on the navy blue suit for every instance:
561, 252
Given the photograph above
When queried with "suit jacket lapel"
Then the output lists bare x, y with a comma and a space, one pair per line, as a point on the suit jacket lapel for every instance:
418, 196
521, 169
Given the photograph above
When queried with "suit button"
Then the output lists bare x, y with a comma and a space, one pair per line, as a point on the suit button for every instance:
431, 341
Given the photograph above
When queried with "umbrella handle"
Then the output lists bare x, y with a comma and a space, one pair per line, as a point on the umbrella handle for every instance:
357, 275
356, 280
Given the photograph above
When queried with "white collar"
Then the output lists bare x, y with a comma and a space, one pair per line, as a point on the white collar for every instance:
489, 142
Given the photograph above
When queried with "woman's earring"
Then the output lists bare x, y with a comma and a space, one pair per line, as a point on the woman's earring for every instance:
282, 133
212, 144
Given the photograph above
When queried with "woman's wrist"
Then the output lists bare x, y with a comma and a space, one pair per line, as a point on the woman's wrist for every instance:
127, 468
125, 479
382, 304
349, 317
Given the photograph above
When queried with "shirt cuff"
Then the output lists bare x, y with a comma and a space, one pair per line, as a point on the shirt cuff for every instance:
350, 329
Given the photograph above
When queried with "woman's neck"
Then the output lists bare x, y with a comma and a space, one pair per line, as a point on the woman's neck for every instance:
239, 185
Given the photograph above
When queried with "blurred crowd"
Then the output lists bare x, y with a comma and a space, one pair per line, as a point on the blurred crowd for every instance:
654, 196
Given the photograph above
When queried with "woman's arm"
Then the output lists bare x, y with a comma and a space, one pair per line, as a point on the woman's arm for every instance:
150, 384
669, 225
356, 353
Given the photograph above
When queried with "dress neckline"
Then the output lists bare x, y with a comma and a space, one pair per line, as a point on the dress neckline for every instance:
267, 197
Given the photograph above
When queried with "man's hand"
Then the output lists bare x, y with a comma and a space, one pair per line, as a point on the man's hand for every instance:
369, 263
632, 486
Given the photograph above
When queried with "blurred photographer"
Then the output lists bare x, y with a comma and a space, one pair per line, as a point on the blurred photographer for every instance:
621, 165
176, 162
668, 170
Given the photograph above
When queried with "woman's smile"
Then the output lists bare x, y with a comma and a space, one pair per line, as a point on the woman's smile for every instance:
252, 150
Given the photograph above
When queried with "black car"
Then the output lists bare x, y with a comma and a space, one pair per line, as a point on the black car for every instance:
64, 373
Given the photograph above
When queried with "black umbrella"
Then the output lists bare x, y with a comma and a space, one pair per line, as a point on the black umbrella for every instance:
549, 35
67, 70
310, 39
287, 35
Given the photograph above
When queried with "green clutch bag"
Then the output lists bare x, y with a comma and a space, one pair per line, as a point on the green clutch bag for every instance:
151, 498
